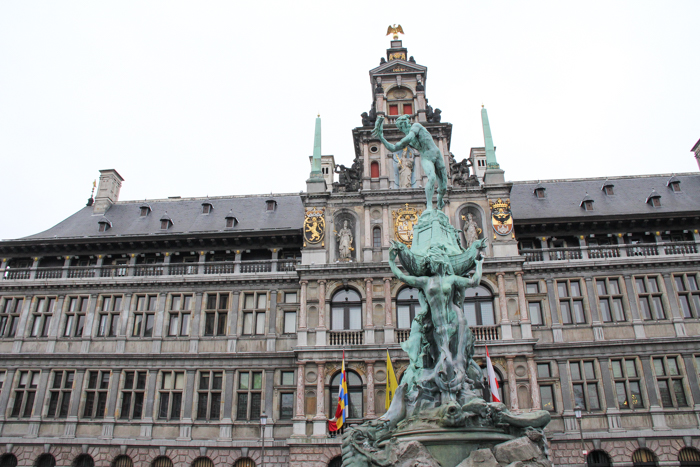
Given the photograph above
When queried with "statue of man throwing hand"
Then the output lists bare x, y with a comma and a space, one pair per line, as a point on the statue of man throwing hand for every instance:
430, 156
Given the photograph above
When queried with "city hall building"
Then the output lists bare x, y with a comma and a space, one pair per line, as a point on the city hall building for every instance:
209, 331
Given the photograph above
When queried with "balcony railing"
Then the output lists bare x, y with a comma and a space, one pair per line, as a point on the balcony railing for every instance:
486, 333
341, 338
152, 270
402, 335
610, 251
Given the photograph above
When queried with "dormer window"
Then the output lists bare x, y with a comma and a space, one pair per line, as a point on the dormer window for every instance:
587, 203
207, 208
270, 205
165, 222
144, 210
104, 225
481, 163
539, 192
654, 199
608, 188
674, 184
231, 222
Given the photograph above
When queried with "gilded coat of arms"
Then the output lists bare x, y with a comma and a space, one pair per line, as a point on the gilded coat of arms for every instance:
404, 220
314, 226
501, 217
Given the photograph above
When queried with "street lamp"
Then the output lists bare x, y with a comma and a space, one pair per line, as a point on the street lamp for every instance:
577, 412
263, 422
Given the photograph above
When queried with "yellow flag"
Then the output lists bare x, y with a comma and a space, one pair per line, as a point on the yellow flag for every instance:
391, 384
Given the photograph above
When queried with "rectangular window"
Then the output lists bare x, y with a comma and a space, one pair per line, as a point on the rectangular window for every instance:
133, 395
254, 307
290, 297
627, 383
10, 309
286, 405
96, 394
544, 370
75, 316
249, 395
216, 314
649, 295
144, 315
60, 393
610, 300
408, 109
688, 294
209, 395
393, 109
41, 317
179, 315
535, 309
547, 397
585, 384
290, 322
670, 382
25, 392
532, 288
109, 315
172, 384
571, 302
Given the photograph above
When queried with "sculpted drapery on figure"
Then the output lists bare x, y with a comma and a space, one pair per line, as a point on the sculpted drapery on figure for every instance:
431, 159
471, 230
404, 163
345, 248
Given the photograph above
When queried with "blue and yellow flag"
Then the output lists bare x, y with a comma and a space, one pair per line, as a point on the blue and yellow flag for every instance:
341, 412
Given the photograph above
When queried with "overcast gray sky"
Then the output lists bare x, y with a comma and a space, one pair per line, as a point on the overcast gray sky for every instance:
217, 98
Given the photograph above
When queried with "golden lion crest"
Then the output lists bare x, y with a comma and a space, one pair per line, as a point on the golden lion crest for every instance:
314, 226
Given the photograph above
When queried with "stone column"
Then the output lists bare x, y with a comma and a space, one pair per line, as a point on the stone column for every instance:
302, 305
512, 386
320, 419
388, 315
387, 227
367, 247
370, 389
525, 323
534, 386
299, 411
506, 332
369, 322
322, 304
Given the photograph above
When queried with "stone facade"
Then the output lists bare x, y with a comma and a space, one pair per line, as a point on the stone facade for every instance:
166, 327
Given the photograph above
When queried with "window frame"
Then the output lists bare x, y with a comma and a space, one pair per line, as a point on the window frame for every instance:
250, 322
96, 394
536, 297
287, 389
610, 299
478, 309
250, 392
26, 393
143, 313
75, 317
688, 297
348, 307
413, 307
218, 314
42, 314
673, 382
9, 315
173, 410
178, 313
652, 299
570, 300
60, 391
209, 400
108, 316
586, 382
376, 237
136, 394
627, 380
357, 389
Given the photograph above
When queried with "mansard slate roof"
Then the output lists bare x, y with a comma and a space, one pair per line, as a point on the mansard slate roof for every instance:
563, 197
186, 215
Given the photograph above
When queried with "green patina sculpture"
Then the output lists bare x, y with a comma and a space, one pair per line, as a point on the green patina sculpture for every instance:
430, 156
440, 392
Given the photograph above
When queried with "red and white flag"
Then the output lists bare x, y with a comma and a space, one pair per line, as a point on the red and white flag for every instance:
493, 384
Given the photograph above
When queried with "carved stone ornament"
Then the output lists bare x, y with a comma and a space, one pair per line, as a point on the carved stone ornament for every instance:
501, 217
404, 219
314, 226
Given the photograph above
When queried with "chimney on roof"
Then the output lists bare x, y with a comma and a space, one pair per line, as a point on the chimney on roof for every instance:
107, 190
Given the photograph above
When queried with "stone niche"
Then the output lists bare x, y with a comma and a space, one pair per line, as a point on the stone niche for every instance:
476, 215
338, 223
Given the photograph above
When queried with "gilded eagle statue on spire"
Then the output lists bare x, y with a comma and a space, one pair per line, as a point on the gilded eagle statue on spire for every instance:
395, 30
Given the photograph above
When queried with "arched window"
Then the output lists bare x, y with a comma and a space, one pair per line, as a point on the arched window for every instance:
336, 462
346, 310
123, 461
376, 237
374, 169
644, 458
244, 462
162, 461
202, 462
45, 460
407, 307
8, 460
598, 458
355, 410
478, 306
83, 460
688, 457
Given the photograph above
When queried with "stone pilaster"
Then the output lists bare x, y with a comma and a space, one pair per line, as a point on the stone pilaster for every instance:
370, 389
320, 419
525, 323
506, 330
534, 385
512, 386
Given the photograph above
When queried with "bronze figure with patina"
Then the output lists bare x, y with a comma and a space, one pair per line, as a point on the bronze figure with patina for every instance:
431, 158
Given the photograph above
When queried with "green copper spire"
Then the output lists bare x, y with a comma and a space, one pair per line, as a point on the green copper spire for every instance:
491, 162
316, 160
